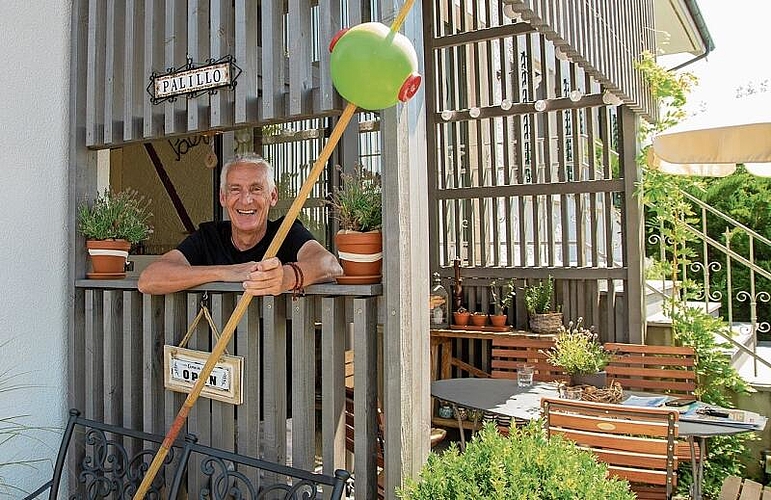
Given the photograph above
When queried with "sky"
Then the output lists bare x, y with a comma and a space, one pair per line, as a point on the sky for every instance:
740, 30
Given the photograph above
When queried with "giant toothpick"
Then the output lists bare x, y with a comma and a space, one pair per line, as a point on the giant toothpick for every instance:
243, 303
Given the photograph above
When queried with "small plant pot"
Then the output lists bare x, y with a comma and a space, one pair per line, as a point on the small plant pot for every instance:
598, 379
445, 411
478, 319
461, 318
498, 319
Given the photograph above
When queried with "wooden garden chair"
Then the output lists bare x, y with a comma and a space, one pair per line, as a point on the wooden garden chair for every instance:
660, 369
510, 352
734, 488
651, 368
638, 444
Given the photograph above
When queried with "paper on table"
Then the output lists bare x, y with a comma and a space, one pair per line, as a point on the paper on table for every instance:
646, 401
739, 418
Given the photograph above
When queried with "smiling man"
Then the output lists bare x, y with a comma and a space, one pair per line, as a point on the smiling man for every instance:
233, 250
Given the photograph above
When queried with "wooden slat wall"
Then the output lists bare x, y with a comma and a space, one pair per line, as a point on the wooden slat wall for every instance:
516, 192
119, 355
604, 38
283, 58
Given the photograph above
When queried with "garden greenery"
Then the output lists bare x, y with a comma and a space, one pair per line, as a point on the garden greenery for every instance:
524, 465
538, 297
669, 212
502, 297
119, 216
357, 203
578, 350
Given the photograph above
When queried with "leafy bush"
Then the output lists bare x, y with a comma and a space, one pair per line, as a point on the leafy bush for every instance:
524, 465
578, 350
357, 203
538, 297
120, 216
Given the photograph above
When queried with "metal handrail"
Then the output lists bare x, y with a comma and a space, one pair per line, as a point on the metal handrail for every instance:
731, 256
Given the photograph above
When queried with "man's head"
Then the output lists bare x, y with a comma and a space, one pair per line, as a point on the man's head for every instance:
247, 191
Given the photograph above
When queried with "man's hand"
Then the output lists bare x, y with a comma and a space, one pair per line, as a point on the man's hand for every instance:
265, 278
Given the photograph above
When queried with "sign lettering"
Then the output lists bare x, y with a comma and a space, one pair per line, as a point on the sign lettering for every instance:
192, 79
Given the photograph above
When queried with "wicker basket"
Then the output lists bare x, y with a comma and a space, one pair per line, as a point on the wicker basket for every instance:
546, 323
611, 394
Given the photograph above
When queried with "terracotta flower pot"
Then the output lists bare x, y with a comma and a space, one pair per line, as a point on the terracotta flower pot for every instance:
361, 254
498, 319
461, 318
479, 319
108, 258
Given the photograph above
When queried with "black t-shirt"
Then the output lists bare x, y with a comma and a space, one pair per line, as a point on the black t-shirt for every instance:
212, 245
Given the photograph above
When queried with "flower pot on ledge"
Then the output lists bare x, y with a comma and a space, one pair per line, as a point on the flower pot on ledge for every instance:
108, 258
460, 318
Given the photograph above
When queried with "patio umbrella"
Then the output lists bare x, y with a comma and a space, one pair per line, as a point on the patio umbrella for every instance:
712, 143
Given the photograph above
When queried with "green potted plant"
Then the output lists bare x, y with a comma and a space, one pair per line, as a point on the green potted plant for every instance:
111, 223
358, 207
525, 464
502, 293
578, 351
538, 302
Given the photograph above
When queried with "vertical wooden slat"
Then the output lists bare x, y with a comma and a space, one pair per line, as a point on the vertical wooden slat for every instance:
94, 355
175, 46
199, 422
249, 415
221, 40
273, 61
303, 383
152, 386
131, 372
247, 35
109, 70
112, 357
174, 313
197, 50
365, 398
153, 60
333, 328
134, 79
223, 414
329, 25
300, 78
274, 378
95, 73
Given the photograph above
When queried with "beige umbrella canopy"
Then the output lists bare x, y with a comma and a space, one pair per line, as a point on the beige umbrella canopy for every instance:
712, 143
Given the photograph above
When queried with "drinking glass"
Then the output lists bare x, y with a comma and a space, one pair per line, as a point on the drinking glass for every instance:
525, 375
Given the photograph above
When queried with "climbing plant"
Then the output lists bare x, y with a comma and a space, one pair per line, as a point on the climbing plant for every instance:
667, 212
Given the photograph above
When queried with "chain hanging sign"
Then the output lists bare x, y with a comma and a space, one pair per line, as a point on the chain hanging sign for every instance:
193, 79
181, 368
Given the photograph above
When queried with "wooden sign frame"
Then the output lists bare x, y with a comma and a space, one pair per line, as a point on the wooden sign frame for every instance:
226, 380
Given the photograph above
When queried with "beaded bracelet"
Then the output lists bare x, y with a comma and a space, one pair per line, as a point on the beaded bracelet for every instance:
299, 280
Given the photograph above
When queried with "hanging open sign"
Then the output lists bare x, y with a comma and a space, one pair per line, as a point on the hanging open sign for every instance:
182, 366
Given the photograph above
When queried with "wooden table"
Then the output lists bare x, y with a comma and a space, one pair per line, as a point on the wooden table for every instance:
504, 397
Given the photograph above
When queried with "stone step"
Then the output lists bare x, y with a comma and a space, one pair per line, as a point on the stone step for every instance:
656, 291
660, 318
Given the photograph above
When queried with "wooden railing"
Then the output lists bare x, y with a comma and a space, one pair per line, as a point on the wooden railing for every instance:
294, 363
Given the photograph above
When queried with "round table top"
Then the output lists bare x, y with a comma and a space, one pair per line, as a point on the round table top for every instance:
505, 397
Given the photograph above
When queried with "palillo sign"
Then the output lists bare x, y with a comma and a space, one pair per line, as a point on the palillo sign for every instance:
192, 80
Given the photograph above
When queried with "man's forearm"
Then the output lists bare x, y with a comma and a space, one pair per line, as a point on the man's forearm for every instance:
162, 278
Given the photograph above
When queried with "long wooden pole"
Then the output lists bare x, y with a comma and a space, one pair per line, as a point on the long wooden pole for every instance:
243, 303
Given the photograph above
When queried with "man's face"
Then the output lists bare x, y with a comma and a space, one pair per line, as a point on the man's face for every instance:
248, 197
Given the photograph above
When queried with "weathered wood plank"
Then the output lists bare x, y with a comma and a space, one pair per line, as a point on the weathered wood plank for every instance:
333, 333
274, 378
303, 383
